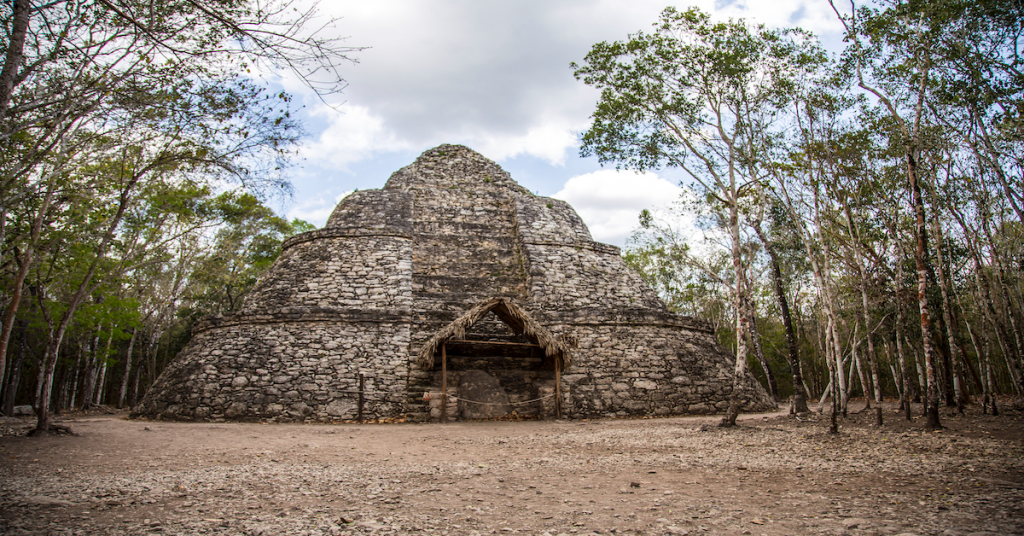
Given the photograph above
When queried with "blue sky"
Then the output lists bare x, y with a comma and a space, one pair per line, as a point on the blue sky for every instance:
494, 76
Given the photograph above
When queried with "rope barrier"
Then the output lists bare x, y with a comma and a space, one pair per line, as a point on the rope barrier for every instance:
371, 394
386, 396
498, 403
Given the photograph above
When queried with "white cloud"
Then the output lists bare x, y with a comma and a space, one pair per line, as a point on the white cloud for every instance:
492, 75
316, 209
354, 133
813, 15
547, 141
610, 201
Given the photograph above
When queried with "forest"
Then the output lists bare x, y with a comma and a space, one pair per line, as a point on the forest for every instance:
861, 211
139, 143
860, 214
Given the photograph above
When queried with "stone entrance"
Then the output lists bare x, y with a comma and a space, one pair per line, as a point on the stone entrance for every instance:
494, 361
496, 377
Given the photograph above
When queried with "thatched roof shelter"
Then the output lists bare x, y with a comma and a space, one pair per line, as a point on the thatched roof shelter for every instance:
512, 315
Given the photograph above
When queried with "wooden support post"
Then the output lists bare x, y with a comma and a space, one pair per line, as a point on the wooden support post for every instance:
558, 387
361, 399
444, 383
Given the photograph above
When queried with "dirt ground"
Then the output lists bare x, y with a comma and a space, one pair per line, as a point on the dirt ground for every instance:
773, 475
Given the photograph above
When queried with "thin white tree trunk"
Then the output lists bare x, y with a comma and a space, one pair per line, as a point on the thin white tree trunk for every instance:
127, 369
740, 368
872, 357
101, 384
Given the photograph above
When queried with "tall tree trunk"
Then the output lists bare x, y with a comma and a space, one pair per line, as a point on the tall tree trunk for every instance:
11, 390
826, 351
740, 368
102, 380
921, 388
863, 379
56, 398
827, 391
990, 378
908, 379
896, 368
1000, 330
837, 356
73, 385
46, 373
947, 309
83, 290
836, 375
15, 53
133, 397
985, 387
832, 325
755, 340
921, 262
148, 359
862, 276
823, 277
89, 379
101, 383
1011, 315
127, 369
988, 307
799, 392
898, 328
27, 258
975, 376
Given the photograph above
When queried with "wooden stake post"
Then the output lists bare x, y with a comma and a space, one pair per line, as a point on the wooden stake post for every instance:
444, 383
362, 386
558, 387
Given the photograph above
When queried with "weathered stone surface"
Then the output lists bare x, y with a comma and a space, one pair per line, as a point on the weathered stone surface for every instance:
393, 266
481, 396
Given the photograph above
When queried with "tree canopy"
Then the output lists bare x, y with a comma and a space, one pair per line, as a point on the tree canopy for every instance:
847, 191
138, 143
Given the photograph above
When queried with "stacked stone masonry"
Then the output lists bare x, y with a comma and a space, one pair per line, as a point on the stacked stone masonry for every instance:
394, 266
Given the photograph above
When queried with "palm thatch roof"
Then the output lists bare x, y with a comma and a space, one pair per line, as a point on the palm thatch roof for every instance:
512, 315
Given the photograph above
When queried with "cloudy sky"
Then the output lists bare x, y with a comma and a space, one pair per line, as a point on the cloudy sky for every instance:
494, 76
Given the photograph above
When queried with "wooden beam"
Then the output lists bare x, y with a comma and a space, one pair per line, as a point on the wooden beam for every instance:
444, 383
496, 343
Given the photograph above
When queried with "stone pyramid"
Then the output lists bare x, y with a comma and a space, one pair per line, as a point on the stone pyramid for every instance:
354, 303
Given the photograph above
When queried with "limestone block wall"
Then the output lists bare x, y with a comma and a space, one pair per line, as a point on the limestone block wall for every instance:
651, 370
545, 220
634, 357
393, 266
464, 233
335, 304
586, 276
569, 271
374, 212
372, 272
284, 371
464, 248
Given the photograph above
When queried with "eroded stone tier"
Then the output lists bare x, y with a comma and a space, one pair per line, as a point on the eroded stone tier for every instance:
395, 265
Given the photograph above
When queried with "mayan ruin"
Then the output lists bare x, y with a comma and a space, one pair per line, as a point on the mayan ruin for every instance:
453, 278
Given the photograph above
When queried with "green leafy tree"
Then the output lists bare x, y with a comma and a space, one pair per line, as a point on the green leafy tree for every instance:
701, 96
100, 99
244, 245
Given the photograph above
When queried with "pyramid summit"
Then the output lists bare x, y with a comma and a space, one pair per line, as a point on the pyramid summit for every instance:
451, 279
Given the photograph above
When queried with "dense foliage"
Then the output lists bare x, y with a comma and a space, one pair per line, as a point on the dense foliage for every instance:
862, 212
138, 143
